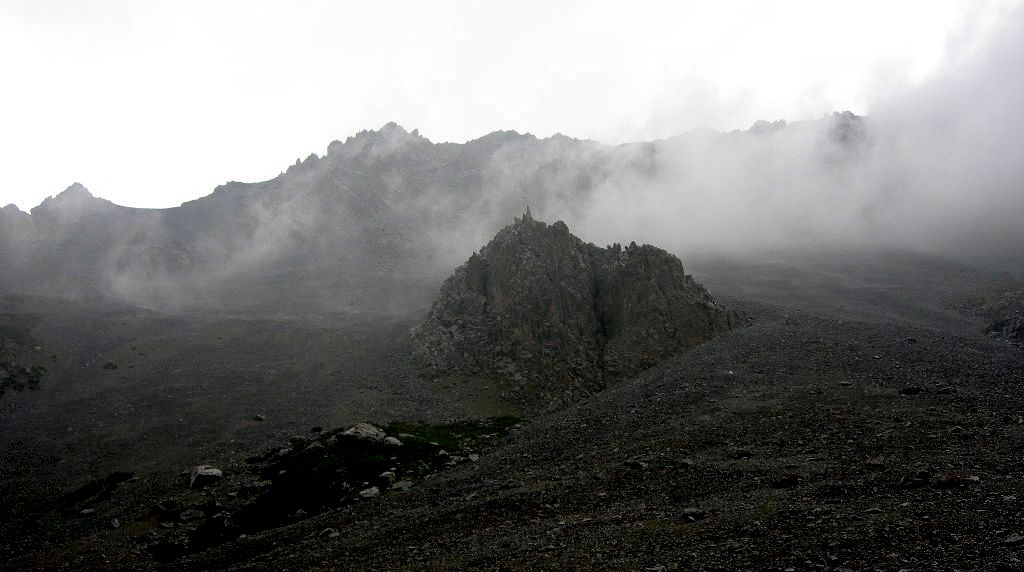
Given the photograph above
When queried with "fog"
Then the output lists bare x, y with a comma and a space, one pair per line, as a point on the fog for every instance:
152, 104
938, 168
382, 217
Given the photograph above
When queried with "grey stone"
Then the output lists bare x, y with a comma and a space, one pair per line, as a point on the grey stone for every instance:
366, 431
369, 493
1013, 540
191, 514
204, 475
402, 486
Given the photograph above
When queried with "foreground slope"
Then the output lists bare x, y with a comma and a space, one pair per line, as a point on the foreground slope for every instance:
801, 442
841, 429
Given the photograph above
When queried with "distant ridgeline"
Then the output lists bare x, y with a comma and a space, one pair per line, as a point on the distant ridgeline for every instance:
371, 225
556, 318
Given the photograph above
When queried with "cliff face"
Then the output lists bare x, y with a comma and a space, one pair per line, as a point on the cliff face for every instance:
555, 316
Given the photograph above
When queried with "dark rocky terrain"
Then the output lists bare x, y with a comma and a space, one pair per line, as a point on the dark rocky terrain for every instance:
208, 369
799, 443
863, 425
552, 318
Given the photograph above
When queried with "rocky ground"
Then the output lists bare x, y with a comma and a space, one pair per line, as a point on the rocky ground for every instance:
798, 443
859, 423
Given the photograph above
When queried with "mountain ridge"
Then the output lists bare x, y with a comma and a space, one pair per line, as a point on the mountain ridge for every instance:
373, 223
394, 130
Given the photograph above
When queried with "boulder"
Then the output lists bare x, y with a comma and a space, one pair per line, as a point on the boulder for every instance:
369, 493
204, 475
402, 486
366, 431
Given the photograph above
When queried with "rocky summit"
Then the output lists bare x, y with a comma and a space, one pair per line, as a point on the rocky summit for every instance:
555, 318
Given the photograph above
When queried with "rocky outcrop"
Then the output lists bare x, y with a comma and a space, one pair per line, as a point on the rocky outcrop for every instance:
1010, 327
366, 431
1003, 309
16, 373
553, 315
203, 475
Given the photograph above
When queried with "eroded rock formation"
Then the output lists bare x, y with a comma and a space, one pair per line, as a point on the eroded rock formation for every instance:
554, 316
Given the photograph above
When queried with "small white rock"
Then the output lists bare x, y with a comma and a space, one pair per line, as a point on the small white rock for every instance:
369, 493
203, 475
366, 431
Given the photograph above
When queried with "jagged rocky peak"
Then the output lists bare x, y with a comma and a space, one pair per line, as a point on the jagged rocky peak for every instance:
554, 317
73, 198
762, 127
845, 127
307, 164
11, 209
391, 136
501, 137
76, 191
14, 226
390, 131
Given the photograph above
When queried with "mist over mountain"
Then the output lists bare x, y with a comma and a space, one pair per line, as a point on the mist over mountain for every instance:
382, 359
387, 212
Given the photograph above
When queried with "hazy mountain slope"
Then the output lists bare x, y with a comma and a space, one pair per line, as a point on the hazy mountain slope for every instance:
369, 225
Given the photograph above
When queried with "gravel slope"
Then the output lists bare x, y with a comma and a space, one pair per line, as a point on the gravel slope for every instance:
784, 445
857, 424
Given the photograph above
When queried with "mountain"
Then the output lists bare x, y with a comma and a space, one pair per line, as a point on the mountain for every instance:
554, 316
858, 415
371, 225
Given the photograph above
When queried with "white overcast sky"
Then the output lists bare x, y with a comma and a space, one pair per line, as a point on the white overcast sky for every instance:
151, 103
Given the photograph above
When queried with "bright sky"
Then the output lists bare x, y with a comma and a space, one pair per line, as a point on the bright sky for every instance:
151, 103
